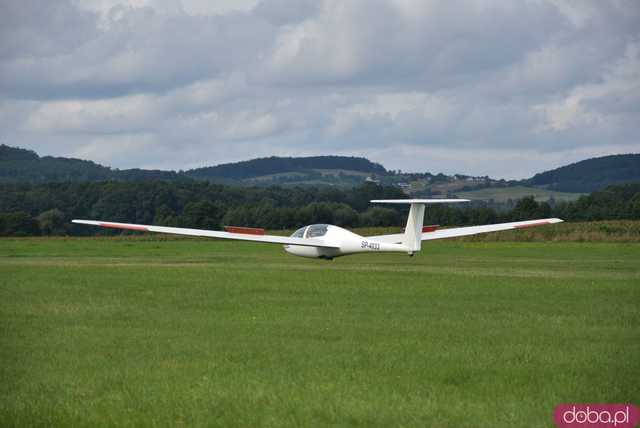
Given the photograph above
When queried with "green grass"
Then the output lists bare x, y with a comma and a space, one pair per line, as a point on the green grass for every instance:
138, 332
503, 194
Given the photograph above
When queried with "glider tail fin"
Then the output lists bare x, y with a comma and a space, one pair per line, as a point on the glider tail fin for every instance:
413, 231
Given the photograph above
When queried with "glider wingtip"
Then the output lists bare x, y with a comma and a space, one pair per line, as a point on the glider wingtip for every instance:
91, 222
553, 220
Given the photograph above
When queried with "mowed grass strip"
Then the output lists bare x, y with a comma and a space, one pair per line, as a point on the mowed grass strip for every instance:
134, 332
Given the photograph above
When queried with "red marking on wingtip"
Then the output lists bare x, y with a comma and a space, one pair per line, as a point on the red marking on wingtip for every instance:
524, 226
430, 228
127, 227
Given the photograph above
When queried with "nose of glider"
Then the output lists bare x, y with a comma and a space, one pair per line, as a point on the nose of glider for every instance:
302, 251
291, 249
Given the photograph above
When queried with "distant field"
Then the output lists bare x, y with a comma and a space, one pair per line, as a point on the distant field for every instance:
143, 332
270, 177
303, 176
503, 194
337, 172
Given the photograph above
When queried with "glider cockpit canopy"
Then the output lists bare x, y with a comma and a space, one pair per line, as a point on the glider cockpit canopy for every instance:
312, 231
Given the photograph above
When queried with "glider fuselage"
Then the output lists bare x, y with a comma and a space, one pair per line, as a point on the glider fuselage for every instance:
345, 241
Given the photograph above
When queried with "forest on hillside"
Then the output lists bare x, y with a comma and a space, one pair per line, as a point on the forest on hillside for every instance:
590, 174
46, 209
273, 165
26, 166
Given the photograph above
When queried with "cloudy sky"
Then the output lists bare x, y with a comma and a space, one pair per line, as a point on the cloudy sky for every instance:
504, 88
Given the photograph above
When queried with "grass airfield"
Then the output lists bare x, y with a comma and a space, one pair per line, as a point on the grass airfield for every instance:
145, 332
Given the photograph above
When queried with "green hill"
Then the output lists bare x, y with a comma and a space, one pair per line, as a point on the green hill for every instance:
20, 165
25, 166
591, 174
270, 166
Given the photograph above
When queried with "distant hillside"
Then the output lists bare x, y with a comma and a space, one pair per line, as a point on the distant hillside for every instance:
25, 166
277, 165
591, 174
20, 165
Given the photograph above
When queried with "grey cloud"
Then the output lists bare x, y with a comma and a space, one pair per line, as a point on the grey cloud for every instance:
34, 29
139, 51
413, 84
282, 12
369, 42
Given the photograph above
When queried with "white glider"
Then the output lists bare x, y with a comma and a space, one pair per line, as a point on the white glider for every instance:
326, 241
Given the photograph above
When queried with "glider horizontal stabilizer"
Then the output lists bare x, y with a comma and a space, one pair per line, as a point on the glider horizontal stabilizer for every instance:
418, 201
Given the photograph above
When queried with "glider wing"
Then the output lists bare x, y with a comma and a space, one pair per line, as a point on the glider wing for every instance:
272, 239
470, 230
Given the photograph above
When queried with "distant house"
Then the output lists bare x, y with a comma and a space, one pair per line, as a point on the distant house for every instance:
404, 186
372, 180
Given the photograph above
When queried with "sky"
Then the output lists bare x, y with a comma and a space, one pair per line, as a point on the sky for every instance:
480, 87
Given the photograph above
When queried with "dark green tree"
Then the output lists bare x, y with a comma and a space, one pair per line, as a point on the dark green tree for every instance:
202, 215
52, 222
379, 216
18, 224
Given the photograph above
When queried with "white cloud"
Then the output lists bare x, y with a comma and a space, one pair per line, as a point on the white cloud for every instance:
105, 147
599, 104
488, 86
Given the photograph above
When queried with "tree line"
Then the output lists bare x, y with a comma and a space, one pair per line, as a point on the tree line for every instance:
46, 209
